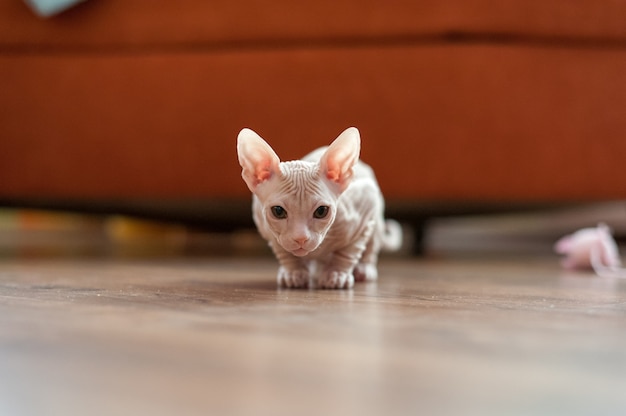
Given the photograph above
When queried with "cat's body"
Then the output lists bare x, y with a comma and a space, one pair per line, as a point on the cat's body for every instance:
322, 215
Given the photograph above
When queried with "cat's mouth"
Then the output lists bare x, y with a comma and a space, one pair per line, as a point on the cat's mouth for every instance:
297, 249
300, 252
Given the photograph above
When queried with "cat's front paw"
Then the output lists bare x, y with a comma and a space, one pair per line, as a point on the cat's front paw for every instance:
365, 271
293, 278
333, 279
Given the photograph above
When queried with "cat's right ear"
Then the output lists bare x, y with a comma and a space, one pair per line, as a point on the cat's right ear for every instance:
337, 163
257, 159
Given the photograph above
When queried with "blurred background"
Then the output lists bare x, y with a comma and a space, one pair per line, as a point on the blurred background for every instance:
115, 114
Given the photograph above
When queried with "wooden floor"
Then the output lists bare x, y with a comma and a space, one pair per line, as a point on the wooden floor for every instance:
214, 336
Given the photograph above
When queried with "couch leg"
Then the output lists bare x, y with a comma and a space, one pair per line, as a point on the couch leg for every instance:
418, 227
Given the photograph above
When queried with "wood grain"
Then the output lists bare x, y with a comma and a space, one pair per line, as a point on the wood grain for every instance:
216, 337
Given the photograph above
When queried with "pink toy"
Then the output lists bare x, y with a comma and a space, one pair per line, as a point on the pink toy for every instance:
591, 248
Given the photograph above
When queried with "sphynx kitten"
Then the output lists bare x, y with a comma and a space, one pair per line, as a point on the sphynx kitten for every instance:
322, 215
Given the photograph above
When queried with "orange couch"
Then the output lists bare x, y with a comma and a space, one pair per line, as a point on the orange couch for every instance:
118, 104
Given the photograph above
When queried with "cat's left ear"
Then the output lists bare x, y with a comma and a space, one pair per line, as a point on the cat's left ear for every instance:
338, 161
257, 159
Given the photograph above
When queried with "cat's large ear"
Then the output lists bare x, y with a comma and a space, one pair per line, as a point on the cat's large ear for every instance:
257, 159
338, 161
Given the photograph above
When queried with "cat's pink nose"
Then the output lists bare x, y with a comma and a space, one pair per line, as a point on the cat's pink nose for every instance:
301, 240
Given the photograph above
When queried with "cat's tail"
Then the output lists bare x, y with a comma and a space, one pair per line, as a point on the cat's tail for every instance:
392, 237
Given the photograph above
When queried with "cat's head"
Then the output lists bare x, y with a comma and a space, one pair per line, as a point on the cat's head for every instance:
298, 198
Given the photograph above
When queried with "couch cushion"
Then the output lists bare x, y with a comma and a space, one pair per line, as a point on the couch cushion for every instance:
119, 23
478, 122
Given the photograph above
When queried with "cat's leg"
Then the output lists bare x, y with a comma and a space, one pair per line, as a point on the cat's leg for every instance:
366, 267
293, 272
339, 273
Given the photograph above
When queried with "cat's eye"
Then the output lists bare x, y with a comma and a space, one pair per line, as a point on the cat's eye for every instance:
321, 212
279, 212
